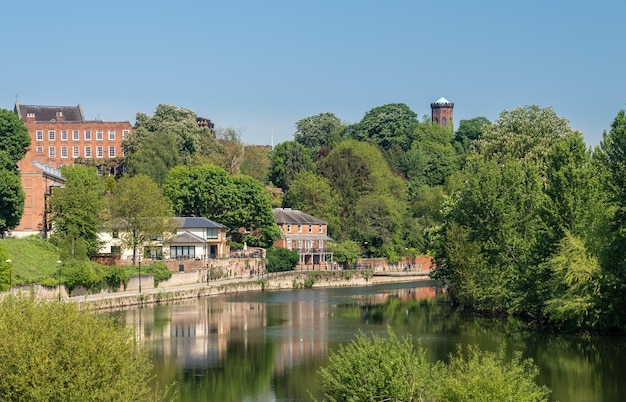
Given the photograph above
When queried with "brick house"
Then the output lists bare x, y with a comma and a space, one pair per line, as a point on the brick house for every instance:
59, 135
305, 234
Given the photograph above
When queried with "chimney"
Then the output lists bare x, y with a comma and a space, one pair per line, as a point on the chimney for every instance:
60, 117
30, 117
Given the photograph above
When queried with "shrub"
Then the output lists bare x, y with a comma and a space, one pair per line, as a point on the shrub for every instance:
376, 369
281, 259
392, 369
81, 273
159, 270
56, 352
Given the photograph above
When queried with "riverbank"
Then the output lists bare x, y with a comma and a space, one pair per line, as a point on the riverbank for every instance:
275, 281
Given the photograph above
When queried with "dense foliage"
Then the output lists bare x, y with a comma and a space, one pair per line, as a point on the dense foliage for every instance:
55, 352
281, 259
392, 369
14, 140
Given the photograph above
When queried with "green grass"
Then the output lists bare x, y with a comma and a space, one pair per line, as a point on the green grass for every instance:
33, 259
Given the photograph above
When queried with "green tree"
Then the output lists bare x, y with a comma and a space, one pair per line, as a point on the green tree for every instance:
257, 162
180, 122
57, 352
386, 126
11, 200
76, 210
140, 212
468, 132
288, 159
14, 139
253, 212
320, 131
231, 153
312, 194
155, 156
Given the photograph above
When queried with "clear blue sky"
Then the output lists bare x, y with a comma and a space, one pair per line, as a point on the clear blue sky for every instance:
263, 65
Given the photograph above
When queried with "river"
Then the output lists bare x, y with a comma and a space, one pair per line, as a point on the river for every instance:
268, 346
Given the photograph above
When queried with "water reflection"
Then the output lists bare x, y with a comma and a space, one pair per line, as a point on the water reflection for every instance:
267, 346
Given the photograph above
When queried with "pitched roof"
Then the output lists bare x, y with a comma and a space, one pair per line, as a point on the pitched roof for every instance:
288, 215
49, 113
186, 237
189, 222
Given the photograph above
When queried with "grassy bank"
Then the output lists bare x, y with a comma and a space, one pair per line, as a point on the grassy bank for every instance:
33, 259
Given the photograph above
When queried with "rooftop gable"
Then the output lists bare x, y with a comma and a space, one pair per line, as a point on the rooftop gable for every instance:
288, 215
49, 113
190, 222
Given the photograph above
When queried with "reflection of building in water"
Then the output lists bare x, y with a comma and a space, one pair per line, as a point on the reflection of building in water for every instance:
304, 336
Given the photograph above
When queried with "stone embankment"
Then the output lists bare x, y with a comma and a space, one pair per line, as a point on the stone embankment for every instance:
277, 281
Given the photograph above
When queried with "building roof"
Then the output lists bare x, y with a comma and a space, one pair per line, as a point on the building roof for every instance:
49, 171
187, 238
442, 100
190, 222
288, 215
49, 113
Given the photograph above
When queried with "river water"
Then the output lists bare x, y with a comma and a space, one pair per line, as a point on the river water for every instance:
268, 346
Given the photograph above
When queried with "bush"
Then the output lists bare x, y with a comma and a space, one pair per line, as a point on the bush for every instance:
55, 352
159, 270
81, 273
377, 369
281, 259
114, 274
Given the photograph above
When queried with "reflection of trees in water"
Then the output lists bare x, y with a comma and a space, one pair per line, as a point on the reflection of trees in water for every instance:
243, 372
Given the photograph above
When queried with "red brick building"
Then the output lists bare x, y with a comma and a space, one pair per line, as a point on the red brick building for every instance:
59, 135
305, 234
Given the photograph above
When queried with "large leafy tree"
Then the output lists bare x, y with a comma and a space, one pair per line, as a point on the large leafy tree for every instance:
238, 202
11, 200
386, 126
257, 162
313, 194
140, 212
14, 140
181, 123
76, 209
468, 132
155, 156
320, 131
254, 213
288, 159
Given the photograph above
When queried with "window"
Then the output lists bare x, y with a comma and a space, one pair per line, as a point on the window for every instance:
125, 134
87, 135
111, 135
288, 244
39, 149
288, 228
182, 252
116, 250
63, 152
63, 135
111, 152
99, 135
75, 152
310, 228
99, 152
87, 152
211, 233
39, 135
52, 152
115, 234
443, 122
75, 135
299, 244
321, 229
51, 135
299, 228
